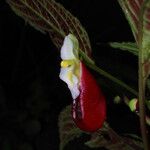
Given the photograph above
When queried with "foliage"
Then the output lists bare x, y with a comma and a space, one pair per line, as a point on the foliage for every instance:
126, 46
137, 14
50, 16
105, 137
67, 129
124, 144
37, 13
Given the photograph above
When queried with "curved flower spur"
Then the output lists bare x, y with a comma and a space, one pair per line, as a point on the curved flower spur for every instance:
89, 106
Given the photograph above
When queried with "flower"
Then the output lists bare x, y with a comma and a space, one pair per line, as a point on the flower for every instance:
89, 106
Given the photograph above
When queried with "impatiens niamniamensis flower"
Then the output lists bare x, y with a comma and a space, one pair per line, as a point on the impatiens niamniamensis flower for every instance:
89, 106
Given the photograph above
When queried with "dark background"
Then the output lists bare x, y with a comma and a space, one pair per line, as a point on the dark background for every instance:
31, 93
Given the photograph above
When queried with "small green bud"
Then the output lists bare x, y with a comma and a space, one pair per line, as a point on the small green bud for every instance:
133, 104
117, 99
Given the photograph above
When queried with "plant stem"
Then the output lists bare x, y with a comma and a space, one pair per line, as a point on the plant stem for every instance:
142, 79
142, 108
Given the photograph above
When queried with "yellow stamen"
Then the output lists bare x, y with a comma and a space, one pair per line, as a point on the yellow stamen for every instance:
66, 63
74, 70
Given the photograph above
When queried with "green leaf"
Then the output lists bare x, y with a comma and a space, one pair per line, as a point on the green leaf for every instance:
133, 136
97, 141
138, 15
67, 129
125, 46
50, 16
131, 9
134, 141
100, 141
108, 139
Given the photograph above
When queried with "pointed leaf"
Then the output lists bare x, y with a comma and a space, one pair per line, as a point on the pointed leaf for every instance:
137, 13
132, 10
97, 141
110, 140
49, 16
125, 46
133, 136
100, 141
67, 129
134, 141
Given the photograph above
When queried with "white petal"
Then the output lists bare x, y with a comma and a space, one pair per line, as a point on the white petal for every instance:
69, 48
75, 41
73, 86
64, 75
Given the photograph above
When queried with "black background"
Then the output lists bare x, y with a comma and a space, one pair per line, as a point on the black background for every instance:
31, 93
